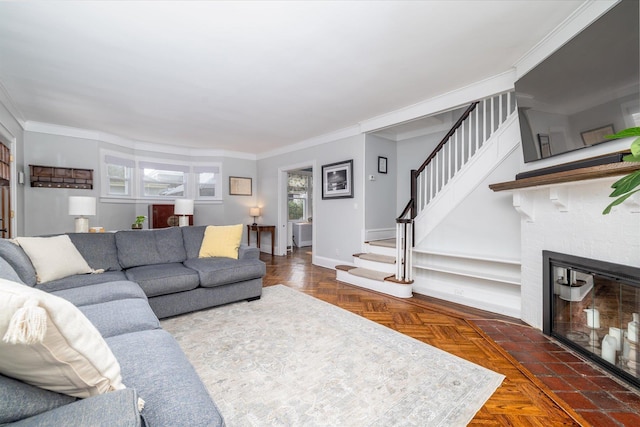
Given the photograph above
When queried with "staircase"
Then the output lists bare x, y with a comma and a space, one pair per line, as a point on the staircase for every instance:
375, 269
473, 147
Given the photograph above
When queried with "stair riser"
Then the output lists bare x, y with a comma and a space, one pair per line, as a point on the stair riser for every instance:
381, 250
389, 288
377, 266
495, 297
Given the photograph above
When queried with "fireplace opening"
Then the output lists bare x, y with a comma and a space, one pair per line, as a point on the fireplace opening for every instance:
594, 307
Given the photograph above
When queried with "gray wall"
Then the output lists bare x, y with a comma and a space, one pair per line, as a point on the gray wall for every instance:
337, 223
46, 209
380, 194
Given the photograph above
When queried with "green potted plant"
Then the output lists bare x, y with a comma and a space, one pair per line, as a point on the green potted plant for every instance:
137, 225
629, 184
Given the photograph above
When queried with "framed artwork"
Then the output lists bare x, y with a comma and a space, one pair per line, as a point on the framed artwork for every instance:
596, 136
337, 180
239, 186
545, 145
382, 164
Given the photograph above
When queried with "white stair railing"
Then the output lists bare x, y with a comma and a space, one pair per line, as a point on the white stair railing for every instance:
476, 125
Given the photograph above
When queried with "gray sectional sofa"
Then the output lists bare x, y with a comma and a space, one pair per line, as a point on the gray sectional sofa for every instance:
148, 275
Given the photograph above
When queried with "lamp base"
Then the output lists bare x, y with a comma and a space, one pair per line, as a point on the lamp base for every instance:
183, 221
82, 225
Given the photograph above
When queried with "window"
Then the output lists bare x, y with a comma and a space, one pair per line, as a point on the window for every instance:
119, 175
207, 178
163, 180
299, 189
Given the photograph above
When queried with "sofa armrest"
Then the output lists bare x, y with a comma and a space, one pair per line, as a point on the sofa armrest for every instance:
117, 408
248, 252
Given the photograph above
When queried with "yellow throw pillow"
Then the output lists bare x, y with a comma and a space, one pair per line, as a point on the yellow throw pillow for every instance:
221, 241
47, 342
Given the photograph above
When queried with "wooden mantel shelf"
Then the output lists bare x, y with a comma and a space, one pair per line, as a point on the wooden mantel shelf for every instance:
582, 174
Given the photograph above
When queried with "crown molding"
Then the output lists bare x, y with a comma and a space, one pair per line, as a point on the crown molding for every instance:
48, 128
312, 142
493, 85
7, 101
581, 18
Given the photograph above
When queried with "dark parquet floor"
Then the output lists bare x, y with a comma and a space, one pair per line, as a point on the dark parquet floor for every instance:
536, 391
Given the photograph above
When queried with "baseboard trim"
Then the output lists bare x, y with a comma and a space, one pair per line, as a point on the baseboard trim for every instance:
327, 262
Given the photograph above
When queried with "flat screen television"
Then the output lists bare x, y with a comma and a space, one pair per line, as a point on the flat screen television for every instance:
588, 88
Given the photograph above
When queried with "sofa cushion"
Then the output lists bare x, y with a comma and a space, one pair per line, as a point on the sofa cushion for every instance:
102, 292
7, 272
147, 247
153, 364
98, 249
121, 317
49, 343
20, 400
53, 257
221, 241
192, 238
118, 408
18, 259
161, 279
81, 280
222, 271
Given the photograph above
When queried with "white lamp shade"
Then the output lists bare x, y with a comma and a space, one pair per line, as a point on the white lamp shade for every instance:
183, 207
82, 206
254, 211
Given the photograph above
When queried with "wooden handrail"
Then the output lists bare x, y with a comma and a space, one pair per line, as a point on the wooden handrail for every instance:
455, 127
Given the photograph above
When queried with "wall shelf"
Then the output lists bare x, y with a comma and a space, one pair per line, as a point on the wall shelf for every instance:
57, 177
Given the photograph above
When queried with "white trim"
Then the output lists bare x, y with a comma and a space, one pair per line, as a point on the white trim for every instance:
7, 101
312, 142
491, 86
13, 181
582, 17
283, 220
73, 132
329, 263
379, 234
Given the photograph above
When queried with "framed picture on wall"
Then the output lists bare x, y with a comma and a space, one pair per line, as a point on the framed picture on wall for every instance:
239, 186
545, 145
596, 136
382, 164
337, 180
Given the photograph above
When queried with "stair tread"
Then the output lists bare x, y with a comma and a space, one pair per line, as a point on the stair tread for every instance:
344, 267
369, 274
386, 243
386, 259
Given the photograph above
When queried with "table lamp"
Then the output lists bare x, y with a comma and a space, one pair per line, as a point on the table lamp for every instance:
82, 206
254, 212
183, 207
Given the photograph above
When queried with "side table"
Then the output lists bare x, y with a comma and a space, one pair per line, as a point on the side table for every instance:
259, 229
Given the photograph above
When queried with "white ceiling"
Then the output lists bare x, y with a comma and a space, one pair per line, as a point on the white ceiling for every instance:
252, 76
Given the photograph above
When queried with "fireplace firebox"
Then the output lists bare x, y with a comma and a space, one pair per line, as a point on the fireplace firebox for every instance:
594, 307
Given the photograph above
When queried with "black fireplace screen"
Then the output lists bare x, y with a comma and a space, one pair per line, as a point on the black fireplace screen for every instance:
594, 307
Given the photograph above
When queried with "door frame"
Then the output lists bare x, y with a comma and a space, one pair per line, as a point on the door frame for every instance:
283, 220
7, 137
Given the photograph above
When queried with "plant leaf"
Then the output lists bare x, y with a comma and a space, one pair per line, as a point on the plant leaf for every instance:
635, 149
631, 158
618, 201
625, 184
626, 133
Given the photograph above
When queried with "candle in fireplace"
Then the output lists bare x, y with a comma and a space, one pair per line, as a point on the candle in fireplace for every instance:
593, 318
609, 345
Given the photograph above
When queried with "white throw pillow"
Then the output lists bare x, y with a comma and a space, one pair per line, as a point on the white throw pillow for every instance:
53, 257
47, 342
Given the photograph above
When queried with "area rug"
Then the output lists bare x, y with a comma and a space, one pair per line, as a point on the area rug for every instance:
289, 359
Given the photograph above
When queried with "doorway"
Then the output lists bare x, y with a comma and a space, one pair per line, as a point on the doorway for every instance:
6, 220
296, 208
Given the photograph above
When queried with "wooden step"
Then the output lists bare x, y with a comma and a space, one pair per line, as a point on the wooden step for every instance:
344, 267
